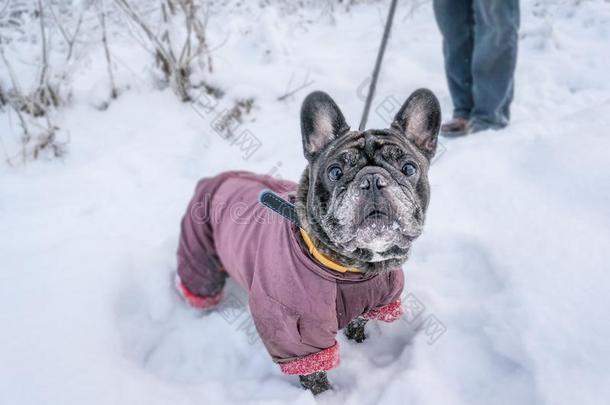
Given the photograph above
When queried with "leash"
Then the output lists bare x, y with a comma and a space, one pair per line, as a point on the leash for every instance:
380, 53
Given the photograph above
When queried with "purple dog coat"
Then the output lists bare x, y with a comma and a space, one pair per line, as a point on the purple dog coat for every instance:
297, 304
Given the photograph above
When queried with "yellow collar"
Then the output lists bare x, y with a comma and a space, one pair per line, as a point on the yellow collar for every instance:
323, 259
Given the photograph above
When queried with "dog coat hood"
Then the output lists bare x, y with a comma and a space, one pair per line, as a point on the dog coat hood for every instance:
297, 304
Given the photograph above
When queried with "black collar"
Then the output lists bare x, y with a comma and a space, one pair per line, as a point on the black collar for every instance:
276, 203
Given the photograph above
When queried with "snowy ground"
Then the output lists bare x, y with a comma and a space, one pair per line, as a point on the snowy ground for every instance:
513, 263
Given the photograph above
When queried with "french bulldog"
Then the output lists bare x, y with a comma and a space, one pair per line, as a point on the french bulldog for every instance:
361, 203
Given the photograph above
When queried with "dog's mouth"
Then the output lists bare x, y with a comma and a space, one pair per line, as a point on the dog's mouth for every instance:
376, 214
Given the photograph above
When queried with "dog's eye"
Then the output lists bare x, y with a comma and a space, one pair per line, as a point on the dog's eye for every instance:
334, 173
409, 169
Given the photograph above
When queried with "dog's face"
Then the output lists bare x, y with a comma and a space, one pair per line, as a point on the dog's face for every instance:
364, 194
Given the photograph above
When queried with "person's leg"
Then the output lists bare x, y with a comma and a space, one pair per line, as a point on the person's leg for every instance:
455, 20
494, 61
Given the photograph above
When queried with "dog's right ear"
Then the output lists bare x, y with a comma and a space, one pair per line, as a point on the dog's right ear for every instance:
419, 119
321, 123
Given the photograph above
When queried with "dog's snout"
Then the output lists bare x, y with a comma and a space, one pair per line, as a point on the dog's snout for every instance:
373, 181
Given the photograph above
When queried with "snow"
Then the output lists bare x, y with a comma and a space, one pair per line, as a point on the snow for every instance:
513, 262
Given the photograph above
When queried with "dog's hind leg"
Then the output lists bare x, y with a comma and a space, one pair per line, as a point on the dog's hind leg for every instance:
200, 277
355, 329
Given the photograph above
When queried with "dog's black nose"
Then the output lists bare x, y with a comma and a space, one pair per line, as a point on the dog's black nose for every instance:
374, 181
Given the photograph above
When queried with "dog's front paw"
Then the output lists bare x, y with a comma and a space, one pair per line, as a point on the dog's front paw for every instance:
317, 383
355, 330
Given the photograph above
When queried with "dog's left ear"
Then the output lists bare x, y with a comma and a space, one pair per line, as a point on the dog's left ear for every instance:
419, 119
321, 123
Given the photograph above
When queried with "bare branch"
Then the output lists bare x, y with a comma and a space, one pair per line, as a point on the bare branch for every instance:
136, 18
26, 135
45, 56
289, 93
69, 38
174, 60
102, 16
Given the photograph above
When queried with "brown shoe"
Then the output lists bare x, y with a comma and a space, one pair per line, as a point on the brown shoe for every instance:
455, 127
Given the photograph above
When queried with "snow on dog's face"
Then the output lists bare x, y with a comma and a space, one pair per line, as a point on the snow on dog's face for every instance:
364, 194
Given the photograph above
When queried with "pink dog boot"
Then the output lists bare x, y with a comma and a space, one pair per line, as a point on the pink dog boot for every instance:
197, 301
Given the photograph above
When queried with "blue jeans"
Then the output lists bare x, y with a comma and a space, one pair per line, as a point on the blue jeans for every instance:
480, 40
